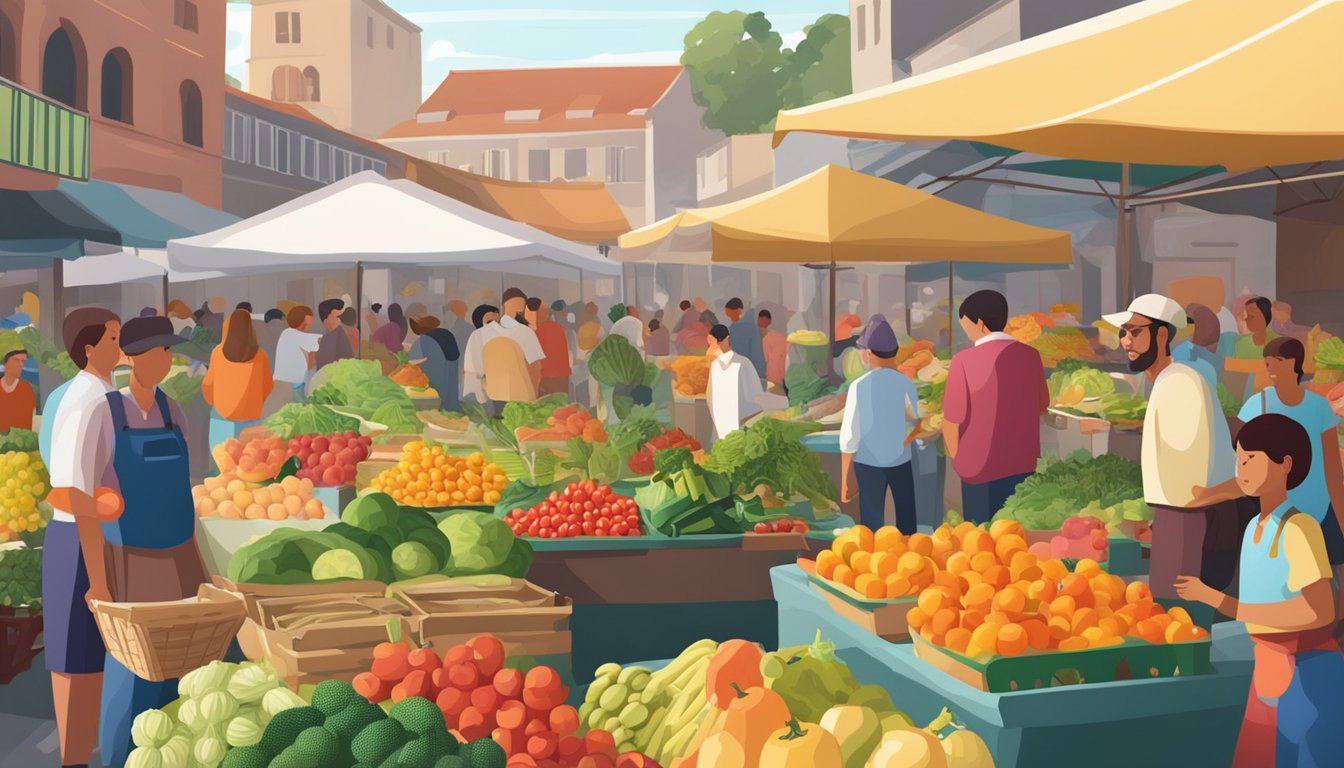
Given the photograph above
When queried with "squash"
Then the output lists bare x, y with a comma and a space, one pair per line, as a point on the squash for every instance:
965, 749
857, 730
751, 717
722, 751
802, 745
735, 663
910, 748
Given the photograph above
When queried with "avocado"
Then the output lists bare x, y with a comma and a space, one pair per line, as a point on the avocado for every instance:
332, 696
320, 743
293, 757
483, 753
347, 723
377, 741
246, 757
424, 751
286, 726
418, 715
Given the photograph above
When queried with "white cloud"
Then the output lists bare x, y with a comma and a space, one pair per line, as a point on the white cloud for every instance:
540, 14
641, 57
442, 49
792, 39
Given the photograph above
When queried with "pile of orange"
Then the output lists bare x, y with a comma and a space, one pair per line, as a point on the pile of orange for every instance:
427, 476
981, 593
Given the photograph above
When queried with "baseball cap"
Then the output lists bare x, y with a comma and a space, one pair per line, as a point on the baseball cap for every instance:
868, 330
879, 338
1154, 306
142, 334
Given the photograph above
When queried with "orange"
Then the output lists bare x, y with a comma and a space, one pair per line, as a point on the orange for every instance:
882, 564
910, 563
957, 639
947, 580
826, 562
916, 618
886, 538
932, 600
844, 575
943, 620
1073, 585
897, 586
1042, 590
942, 548
1180, 615
1054, 570
963, 528
996, 575
1009, 545
1084, 618
958, 563
1038, 634
978, 598
921, 543
972, 619
1147, 629
1010, 601
1073, 644
1059, 628
933, 637
859, 561
1180, 632
845, 545
970, 579
986, 637
1087, 568
977, 541
1112, 626
1163, 620
864, 535
921, 579
1064, 605
1104, 600
1020, 561
1137, 592
1094, 636
1000, 618
870, 586
1012, 640
1006, 527
983, 561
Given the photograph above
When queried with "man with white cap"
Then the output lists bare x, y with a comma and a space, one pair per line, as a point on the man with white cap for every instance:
1186, 443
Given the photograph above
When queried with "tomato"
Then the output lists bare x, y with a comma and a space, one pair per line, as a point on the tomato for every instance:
533, 529
760, 528
620, 529
589, 506
632, 520
633, 532
588, 528
604, 490
572, 519
579, 496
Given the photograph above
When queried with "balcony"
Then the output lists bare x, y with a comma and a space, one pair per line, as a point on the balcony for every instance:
42, 135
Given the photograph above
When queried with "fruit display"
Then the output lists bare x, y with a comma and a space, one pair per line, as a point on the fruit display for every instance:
427, 476
255, 461
781, 525
329, 460
1058, 344
410, 376
580, 509
691, 374
1081, 536
565, 422
641, 463
24, 483
20, 575
229, 496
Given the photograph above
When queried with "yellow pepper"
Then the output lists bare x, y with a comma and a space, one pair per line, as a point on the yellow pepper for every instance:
801, 745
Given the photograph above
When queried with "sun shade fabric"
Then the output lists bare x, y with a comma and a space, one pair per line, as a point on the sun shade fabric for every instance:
835, 214
1236, 83
110, 269
371, 220
143, 218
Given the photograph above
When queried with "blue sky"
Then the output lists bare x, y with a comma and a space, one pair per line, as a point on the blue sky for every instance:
498, 34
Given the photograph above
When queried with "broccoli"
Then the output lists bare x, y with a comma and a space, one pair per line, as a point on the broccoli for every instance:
286, 726
319, 743
418, 715
332, 696
349, 722
422, 752
246, 757
483, 753
377, 741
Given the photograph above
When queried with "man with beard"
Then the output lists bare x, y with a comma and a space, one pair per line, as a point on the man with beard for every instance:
1186, 443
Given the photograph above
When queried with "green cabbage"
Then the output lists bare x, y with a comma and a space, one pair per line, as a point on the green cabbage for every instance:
303, 419
1330, 353
177, 752
480, 542
1094, 383
211, 677
144, 757
615, 361
218, 707
243, 731
278, 700
209, 751
151, 728
251, 682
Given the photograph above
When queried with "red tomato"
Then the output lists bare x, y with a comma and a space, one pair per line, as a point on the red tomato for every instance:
533, 529
760, 528
588, 528
620, 529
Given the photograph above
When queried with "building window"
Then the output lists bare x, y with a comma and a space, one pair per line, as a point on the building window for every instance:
265, 145
287, 27
9, 49
495, 163
184, 15
576, 163
877, 21
438, 156
118, 85
380, 167
391, 37
539, 165
286, 84
622, 164
312, 84
324, 162
340, 164
193, 124
237, 136
861, 26
283, 137
309, 170
368, 32
62, 78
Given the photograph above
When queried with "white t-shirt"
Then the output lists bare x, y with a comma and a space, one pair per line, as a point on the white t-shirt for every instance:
733, 393
79, 455
473, 361
1186, 441
523, 336
632, 329
291, 362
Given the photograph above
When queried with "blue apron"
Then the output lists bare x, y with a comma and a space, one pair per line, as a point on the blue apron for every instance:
153, 471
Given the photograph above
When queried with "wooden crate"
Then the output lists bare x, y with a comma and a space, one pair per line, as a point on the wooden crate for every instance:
354, 632
252, 638
534, 620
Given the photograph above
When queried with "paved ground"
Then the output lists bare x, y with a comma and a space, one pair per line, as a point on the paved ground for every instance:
27, 731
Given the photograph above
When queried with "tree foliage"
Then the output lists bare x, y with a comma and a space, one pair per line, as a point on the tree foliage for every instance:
742, 74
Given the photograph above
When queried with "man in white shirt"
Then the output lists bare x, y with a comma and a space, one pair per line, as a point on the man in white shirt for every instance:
513, 325
881, 409
1186, 443
631, 328
296, 350
485, 317
734, 389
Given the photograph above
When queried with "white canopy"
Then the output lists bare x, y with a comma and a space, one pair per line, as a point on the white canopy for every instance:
122, 266
375, 221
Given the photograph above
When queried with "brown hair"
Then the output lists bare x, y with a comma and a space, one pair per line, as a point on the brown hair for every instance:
84, 327
240, 340
179, 309
1278, 436
1288, 348
1206, 325
296, 314
420, 324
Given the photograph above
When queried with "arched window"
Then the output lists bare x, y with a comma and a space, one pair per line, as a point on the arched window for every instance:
286, 84
192, 123
118, 86
312, 84
9, 49
63, 75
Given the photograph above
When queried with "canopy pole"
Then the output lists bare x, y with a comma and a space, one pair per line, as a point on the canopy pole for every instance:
58, 288
951, 313
359, 307
830, 363
1122, 244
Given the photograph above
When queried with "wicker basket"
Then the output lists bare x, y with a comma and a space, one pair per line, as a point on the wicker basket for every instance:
162, 641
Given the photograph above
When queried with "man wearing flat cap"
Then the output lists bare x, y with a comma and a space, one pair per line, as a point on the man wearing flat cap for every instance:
881, 409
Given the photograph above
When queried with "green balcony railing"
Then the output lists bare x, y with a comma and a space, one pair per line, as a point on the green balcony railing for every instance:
41, 134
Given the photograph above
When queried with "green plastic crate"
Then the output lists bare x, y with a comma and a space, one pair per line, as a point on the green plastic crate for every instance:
1132, 660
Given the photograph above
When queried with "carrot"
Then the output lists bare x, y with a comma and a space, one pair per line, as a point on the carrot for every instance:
488, 653
534, 726
564, 720
542, 745
511, 715
600, 742
570, 749
509, 683
452, 702
423, 659
485, 698
464, 676
372, 687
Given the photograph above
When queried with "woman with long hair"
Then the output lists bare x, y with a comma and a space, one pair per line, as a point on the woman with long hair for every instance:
392, 334
441, 359
238, 380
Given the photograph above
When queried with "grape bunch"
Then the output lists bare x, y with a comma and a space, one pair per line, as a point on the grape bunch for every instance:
24, 483
20, 575
330, 460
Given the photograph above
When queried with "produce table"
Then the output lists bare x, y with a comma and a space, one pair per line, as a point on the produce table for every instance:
1123, 724
641, 597
930, 468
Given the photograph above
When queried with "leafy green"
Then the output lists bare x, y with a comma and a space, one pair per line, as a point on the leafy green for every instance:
287, 555
43, 350
803, 384
601, 462
360, 387
1227, 402
672, 460
534, 414
303, 419
770, 452
617, 312
493, 427
1123, 406
397, 419
182, 387
1060, 488
1330, 353
1094, 383
199, 345
18, 440
521, 495
615, 361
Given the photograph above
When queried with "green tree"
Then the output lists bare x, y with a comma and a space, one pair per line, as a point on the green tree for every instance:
231, 80
742, 74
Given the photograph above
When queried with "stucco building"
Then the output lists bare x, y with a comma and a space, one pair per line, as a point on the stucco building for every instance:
353, 63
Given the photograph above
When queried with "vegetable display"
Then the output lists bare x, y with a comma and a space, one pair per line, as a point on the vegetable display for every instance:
45, 352
641, 463
607, 462
329, 460
565, 422
427, 476
230, 497
20, 575
254, 461
768, 452
804, 384
1062, 343
182, 387
1061, 487
308, 419
581, 509
616, 362
359, 387
691, 374
1330, 353
24, 483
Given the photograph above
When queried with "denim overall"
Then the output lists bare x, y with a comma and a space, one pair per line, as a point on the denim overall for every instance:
153, 472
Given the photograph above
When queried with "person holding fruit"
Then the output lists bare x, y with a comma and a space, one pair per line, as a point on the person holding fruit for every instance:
1286, 600
151, 551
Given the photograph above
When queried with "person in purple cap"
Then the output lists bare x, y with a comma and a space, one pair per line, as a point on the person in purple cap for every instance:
881, 409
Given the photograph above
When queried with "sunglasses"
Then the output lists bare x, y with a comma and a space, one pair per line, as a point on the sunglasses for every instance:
1132, 330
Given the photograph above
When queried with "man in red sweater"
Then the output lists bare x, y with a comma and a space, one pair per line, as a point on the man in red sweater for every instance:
17, 399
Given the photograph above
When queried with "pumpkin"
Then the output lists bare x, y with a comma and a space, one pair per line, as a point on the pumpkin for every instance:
751, 717
735, 663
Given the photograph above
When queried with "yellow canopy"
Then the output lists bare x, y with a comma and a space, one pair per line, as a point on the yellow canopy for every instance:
838, 215
1237, 83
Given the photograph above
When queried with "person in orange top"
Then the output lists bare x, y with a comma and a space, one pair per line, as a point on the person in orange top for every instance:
558, 364
17, 399
238, 380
